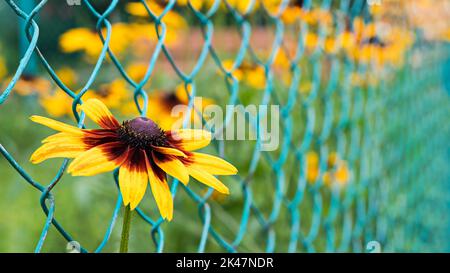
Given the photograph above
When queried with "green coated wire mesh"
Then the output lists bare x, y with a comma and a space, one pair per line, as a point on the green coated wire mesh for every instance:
362, 161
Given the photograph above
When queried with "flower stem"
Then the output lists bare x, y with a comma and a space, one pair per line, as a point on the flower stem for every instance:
125, 230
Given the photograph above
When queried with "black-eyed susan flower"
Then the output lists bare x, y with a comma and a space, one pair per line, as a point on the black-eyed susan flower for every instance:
139, 148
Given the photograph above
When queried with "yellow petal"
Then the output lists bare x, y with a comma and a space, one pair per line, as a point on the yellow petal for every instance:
191, 139
161, 192
52, 150
97, 160
99, 113
169, 151
208, 179
172, 166
64, 138
56, 125
133, 180
212, 164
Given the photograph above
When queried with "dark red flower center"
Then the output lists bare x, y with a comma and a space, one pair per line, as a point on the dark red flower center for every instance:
142, 133
298, 3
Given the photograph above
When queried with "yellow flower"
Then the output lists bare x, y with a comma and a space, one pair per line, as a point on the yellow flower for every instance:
172, 19
137, 71
291, 14
80, 39
237, 73
197, 4
340, 175
331, 46
112, 94
256, 77
241, 5
247, 72
57, 104
3, 70
29, 85
311, 41
338, 171
175, 23
358, 27
282, 60
68, 76
312, 166
139, 148
348, 41
89, 42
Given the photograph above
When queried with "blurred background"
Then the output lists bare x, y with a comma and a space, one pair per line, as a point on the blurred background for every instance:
363, 91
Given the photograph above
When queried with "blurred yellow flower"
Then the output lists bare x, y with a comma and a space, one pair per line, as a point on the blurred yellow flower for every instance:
311, 41
291, 14
331, 46
255, 77
339, 176
172, 19
112, 94
348, 41
68, 76
3, 70
237, 73
80, 39
282, 60
29, 85
312, 166
88, 41
197, 4
249, 73
338, 171
322, 16
242, 6
174, 24
57, 104
137, 71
